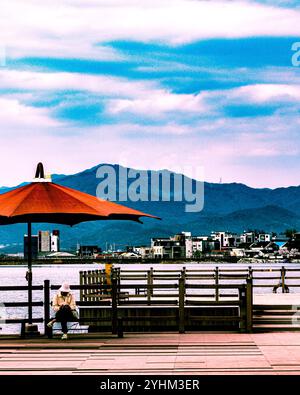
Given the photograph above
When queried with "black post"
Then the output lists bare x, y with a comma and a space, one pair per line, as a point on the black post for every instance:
151, 280
29, 273
217, 283
243, 308
181, 304
114, 304
249, 303
46, 306
183, 274
149, 287
283, 279
250, 272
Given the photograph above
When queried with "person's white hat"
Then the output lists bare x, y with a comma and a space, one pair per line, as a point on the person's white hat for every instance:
65, 287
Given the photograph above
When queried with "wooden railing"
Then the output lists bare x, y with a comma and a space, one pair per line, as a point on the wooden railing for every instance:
140, 288
279, 279
119, 296
182, 289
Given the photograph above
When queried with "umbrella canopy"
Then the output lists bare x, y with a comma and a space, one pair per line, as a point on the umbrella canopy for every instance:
49, 202
45, 201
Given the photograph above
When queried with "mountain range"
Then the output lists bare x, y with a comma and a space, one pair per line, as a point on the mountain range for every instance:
234, 207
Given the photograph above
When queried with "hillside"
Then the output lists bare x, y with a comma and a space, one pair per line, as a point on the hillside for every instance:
233, 207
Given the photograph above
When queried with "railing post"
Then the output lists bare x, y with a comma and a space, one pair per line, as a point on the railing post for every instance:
85, 290
119, 280
249, 304
114, 304
149, 287
283, 271
151, 280
81, 284
217, 283
88, 282
181, 304
250, 272
94, 282
243, 308
46, 306
183, 275
102, 282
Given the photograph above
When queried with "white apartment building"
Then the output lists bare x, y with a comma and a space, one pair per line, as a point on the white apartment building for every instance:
247, 237
54, 243
143, 251
264, 237
226, 239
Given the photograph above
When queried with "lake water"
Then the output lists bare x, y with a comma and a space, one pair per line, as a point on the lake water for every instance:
15, 275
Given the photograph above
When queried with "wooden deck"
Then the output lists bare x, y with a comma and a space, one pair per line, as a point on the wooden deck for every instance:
202, 353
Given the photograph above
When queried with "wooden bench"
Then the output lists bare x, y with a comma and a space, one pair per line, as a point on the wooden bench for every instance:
119, 326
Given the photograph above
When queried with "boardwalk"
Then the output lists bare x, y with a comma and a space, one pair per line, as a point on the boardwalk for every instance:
152, 354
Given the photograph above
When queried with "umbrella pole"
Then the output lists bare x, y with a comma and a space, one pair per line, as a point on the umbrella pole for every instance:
29, 273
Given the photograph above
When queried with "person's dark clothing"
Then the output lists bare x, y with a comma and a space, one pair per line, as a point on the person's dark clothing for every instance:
64, 315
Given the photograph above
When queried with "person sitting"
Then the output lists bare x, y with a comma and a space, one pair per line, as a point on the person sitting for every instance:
64, 306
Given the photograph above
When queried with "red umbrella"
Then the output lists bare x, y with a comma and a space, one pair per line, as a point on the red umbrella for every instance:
45, 201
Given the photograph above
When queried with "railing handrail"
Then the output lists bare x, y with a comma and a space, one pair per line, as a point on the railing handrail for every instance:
20, 288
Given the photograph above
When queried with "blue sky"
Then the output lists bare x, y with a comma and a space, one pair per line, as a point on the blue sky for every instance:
148, 84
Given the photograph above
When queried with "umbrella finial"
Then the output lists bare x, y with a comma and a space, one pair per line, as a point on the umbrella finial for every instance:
40, 171
40, 174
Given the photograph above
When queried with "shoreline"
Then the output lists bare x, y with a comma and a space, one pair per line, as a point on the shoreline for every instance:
119, 262
23, 263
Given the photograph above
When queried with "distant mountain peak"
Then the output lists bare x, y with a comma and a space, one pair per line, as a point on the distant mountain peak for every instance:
228, 206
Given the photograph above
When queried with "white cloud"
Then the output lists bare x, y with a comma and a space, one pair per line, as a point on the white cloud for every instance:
61, 28
143, 97
261, 93
60, 81
140, 97
207, 102
158, 103
16, 116
225, 147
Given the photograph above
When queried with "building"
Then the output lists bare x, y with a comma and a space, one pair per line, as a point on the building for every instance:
197, 244
226, 239
142, 251
34, 246
88, 251
55, 242
188, 244
222, 243
247, 238
161, 247
182, 246
169, 247
264, 237
44, 241
204, 244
